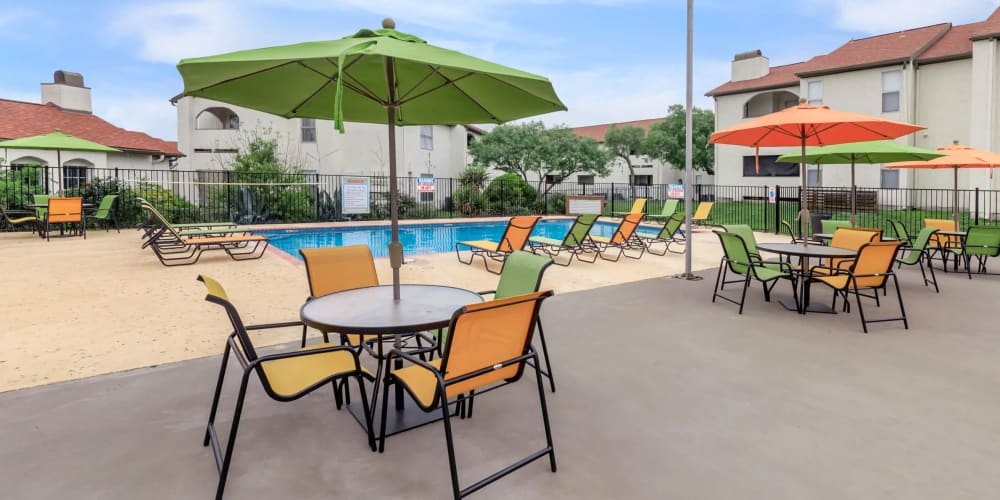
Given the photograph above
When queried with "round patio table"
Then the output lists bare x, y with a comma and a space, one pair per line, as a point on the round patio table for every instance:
805, 252
371, 311
829, 236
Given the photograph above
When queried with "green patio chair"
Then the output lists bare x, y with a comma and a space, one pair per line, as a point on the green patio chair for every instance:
746, 232
41, 199
917, 253
831, 226
901, 232
668, 210
106, 213
737, 259
791, 231
670, 234
981, 242
576, 242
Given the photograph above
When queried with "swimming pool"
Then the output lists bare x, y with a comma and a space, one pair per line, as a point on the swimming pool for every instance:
417, 238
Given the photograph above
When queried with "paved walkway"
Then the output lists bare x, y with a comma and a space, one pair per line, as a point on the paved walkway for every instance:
662, 394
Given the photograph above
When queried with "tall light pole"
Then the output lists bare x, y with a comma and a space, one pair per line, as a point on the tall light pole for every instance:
688, 145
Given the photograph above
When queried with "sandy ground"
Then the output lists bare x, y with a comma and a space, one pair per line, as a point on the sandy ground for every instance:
75, 308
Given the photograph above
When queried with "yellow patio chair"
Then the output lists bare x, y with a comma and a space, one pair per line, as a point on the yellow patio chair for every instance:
488, 348
285, 377
869, 271
848, 239
623, 239
65, 211
514, 237
703, 215
941, 243
638, 206
20, 217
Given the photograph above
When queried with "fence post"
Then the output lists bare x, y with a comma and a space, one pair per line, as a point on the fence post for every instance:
777, 210
977, 206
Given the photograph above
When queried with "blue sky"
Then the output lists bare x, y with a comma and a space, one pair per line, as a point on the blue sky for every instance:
609, 60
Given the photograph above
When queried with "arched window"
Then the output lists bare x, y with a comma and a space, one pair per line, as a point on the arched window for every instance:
28, 169
217, 119
769, 102
28, 161
75, 173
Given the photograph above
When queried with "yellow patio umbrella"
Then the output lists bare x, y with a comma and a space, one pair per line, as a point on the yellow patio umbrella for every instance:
955, 157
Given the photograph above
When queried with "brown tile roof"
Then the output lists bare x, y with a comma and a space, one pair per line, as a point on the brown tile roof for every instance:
988, 28
953, 45
777, 77
878, 50
24, 119
596, 132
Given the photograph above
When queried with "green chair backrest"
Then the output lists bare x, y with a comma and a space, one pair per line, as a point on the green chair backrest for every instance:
672, 226
736, 251
923, 237
900, 229
744, 231
104, 209
669, 207
42, 199
578, 233
522, 273
983, 240
830, 226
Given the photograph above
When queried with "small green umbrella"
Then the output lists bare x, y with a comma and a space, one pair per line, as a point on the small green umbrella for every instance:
59, 142
374, 76
869, 152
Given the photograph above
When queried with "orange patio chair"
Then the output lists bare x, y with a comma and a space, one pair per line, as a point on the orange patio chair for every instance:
940, 243
488, 348
623, 239
847, 238
515, 236
871, 270
65, 211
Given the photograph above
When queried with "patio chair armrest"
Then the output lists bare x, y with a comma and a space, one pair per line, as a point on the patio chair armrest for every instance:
413, 359
306, 352
487, 292
847, 260
266, 326
833, 270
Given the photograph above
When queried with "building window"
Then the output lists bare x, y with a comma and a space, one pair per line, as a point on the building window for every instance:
642, 180
890, 179
308, 130
217, 119
769, 167
428, 195
585, 179
74, 177
815, 93
427, 137
814, 178
552, 179
892, 82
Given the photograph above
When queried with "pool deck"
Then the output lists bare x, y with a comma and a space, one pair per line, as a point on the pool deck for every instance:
77, 308
661, 394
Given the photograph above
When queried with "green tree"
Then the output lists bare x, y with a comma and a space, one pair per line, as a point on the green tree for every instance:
625, 142
474, 176
665, 140
565, 153
511, 148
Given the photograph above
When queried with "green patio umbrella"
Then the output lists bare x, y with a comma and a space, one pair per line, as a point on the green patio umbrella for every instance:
374, 76
867, 152
59, 142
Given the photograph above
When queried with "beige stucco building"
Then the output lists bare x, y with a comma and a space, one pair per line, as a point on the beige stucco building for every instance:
944, 77
210, 132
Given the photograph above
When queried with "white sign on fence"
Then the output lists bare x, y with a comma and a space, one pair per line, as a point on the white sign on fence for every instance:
355, 195
772, 194
425, 185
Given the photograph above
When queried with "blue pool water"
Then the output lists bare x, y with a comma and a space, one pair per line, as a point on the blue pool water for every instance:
416, 239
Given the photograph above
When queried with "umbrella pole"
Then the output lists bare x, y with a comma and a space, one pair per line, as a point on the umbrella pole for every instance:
804, 211
954, 202
854, 194
395, 248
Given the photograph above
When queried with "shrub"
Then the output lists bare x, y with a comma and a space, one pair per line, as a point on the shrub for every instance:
555, 203
510, 194
468, 201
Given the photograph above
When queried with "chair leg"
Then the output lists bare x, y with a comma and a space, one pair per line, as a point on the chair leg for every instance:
218, 393
368, 414
718, 279
304, 328
743, 295
338, 398
545, 420
224, 471
545, 354
450, 442
899, 295
861, 310
385, 414
930, 268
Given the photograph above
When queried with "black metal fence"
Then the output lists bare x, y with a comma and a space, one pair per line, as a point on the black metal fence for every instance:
202, 196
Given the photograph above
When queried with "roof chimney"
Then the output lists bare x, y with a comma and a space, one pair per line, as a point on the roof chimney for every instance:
750, 65
68, 92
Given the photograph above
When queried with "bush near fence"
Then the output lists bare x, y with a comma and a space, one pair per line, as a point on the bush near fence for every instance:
188, 196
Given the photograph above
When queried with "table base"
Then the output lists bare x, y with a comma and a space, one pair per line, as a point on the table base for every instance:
397, 421
813, 307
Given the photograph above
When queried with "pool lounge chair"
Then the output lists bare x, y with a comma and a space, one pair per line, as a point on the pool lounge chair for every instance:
489, 346
576, 242
623, 239
670, 234
514, 237
637, 207
703, 216
180, 250
668, 210
152, 224
166, 234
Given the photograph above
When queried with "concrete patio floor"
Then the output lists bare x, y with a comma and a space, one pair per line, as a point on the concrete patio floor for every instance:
661, 394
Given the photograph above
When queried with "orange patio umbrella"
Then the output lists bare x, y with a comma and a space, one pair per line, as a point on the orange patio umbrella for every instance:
806, 125
955, 157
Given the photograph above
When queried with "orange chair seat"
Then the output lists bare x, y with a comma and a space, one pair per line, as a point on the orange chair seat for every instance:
223, 239
291, 376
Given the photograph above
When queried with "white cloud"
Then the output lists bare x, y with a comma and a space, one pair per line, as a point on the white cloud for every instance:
884, 16
141, 113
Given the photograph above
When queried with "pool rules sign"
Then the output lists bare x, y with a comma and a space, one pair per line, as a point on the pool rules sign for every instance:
355, 195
